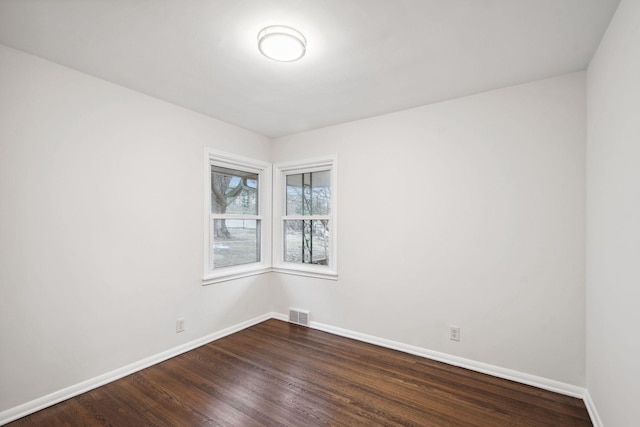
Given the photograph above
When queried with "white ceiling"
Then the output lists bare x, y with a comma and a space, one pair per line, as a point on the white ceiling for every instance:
364, 57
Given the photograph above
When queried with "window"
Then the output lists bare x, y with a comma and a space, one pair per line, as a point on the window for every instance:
238, 219
238, 228
304, 218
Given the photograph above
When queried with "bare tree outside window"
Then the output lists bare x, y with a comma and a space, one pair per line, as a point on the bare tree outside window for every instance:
234, 207
308, 199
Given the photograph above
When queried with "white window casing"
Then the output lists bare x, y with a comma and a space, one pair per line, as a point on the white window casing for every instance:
280, 216
262, 218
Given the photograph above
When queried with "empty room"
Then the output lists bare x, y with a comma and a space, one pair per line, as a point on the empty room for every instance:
335, 212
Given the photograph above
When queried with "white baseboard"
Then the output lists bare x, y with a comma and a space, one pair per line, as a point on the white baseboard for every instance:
485, 368
51, 399
591, 408
544, 383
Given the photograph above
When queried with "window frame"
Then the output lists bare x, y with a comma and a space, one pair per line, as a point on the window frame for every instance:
244, 164
281, 171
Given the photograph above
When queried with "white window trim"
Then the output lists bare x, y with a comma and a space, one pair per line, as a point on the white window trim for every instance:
263, 170
281, 170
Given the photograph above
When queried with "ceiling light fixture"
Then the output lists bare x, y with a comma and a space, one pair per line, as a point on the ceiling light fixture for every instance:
282, 43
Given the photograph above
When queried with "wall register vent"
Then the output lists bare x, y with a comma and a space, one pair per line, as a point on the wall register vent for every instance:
299, 317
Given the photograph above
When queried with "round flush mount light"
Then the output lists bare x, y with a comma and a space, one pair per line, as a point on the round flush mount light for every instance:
282, 43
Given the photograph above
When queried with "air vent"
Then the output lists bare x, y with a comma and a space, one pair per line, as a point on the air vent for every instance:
299, 317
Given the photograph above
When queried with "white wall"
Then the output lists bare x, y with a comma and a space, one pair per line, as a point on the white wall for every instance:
469, 213
101, 228
613, 220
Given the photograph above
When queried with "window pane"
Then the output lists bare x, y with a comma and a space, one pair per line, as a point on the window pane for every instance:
233, 191
235, 242
306, 241
309, 193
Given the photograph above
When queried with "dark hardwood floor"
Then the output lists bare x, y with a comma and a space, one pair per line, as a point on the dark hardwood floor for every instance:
279, 374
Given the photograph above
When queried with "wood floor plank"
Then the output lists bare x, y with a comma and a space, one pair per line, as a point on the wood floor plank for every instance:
279, 374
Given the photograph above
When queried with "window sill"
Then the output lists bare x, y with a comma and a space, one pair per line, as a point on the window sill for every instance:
234, 274
318, 273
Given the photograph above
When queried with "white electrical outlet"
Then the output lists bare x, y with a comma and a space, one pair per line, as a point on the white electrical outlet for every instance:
454, 333
180, 325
